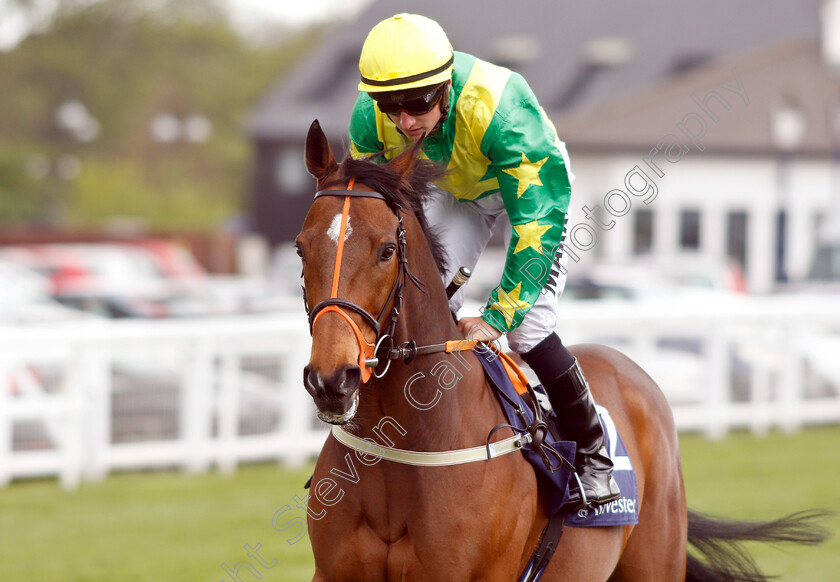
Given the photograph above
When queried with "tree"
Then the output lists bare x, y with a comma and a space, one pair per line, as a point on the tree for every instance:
95, 81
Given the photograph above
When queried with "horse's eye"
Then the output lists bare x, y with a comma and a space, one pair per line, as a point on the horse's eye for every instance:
387, 252
299, 249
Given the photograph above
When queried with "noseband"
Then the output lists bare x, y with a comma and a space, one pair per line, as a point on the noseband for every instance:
367, 351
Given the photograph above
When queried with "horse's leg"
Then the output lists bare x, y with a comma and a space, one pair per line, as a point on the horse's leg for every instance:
318, 577
586, 554
655, 549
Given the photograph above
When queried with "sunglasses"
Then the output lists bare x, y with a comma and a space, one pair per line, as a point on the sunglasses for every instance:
392, 104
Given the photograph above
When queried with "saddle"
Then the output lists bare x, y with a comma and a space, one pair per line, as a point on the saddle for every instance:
550, 456
528, 411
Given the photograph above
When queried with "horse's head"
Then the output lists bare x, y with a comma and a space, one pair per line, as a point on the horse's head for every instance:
351, 245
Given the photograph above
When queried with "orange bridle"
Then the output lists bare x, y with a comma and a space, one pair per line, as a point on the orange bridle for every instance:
335, 304
365, 349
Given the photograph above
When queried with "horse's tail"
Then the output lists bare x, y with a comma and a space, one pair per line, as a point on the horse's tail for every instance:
718, 541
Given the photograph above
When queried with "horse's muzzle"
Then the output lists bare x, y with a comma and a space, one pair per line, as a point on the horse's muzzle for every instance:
337, 395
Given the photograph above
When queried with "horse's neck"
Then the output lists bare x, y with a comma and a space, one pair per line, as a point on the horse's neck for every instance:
440, 401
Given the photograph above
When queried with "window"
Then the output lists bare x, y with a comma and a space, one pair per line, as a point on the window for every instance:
688, 62
781, 245
690, 229
643, 231
736, 237
516, 50
826, 265
819, 220
290, 174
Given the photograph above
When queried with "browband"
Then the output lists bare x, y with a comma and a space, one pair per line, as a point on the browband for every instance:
354, 193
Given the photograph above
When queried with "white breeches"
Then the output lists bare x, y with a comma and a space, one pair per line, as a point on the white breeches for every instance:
464, 228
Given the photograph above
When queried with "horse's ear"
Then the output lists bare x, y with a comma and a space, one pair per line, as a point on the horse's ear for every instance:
319, 157
404, 163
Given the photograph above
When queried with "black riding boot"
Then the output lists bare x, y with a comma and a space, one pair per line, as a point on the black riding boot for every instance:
568, 391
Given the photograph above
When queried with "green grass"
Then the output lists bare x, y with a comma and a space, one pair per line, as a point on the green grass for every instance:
744, 477
152, 526
173, 527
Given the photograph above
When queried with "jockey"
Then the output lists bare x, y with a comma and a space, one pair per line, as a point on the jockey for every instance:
504, 161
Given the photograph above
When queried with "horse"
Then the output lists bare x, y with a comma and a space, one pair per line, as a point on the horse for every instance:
366, 249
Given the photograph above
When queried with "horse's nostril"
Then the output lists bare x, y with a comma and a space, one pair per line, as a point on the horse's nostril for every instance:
349, 380
342, 384
310, 380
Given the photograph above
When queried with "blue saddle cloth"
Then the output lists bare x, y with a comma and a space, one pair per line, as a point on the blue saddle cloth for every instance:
621, 512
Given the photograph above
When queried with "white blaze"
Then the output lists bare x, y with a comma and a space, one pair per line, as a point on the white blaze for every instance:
335, 229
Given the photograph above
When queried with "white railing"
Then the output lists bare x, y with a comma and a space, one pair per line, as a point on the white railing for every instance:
80, 401
728, 362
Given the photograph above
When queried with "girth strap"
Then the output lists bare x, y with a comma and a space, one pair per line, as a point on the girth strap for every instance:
549, 540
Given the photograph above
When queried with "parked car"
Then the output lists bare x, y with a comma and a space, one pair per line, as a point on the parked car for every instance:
25, 298
637, 279
147, 279
115, 280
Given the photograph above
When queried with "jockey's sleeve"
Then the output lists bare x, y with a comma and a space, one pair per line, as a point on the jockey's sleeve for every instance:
364, 139
531, 167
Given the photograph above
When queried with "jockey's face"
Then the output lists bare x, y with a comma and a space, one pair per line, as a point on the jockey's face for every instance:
414, 125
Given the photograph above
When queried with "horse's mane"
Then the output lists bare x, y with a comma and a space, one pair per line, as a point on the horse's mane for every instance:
400, 192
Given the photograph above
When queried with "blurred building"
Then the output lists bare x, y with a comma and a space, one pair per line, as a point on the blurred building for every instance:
704, 130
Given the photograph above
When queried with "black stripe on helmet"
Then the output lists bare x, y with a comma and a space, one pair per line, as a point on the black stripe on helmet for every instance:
412, 78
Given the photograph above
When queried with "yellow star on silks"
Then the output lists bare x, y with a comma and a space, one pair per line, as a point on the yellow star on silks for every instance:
509, 303
527, 173
530, 236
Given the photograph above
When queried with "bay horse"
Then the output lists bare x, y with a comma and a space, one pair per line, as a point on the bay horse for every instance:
366, 250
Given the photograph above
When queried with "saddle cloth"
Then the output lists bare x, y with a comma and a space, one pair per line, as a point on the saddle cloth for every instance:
623, 511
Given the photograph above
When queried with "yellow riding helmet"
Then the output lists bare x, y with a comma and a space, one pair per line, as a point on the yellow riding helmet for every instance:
404, 52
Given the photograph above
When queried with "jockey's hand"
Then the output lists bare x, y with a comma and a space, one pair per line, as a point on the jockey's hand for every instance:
475, 328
